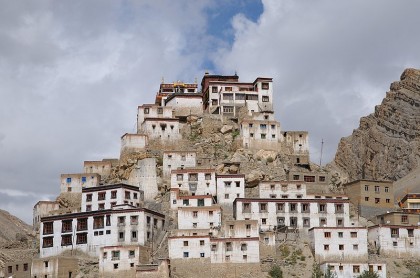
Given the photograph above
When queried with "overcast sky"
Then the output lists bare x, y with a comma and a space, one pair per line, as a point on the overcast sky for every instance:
73, 72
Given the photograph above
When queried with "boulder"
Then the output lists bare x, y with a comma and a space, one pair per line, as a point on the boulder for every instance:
226, 128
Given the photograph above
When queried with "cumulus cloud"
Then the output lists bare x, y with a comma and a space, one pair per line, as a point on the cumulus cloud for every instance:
332, 61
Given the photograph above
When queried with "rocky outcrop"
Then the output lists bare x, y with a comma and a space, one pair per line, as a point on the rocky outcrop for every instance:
386, 146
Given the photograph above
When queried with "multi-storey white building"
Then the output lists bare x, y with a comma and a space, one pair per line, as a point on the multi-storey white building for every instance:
157, 122
353, 269
299, 141
282, 189
261, 131
195, 181
41, 209
225, 95
199, 217
133, 142
339, 243
89, 231
184, 105
240, 228
166, 90
295, 213
179, 199
188, 246
229, 187
172, 160
75, 182
395, 240
107, 196
121, 260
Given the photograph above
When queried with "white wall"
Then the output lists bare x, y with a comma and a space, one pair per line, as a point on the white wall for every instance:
199, 217
230, 187
75, 182
282, 190
175, 160
345, 270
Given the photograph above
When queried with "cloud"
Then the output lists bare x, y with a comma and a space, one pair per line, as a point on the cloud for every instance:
332, 61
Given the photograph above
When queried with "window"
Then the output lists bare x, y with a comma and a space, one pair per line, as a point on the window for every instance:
377, 189
81, 238
305, 207
293, 207
386, 189
185, 242
293, 221
228, 246
227, 109
265, 86
340, 234
322, 221
121, 220
244, 247
226, 196
192, 177
309, 178
395, 232
10, 269
263, 221
238, 183
340, 267
322, 208
366, 187
115, 255
66, 240
285, 196
339, 208
251, 134
404, 219
101, 196
88, 207
263, 207
379, 267
68, 180
195, 214
341, 247
213, 247
377, 200
340, 222
201, 242
353, 234
101, 206
355, 247
263, 135
388, 201
326, 247
410, 232
134, 220
327, 234
280, 207
248, 226
246, 207
98, 222
295, 177
133, 235
367, 199
131, 253
179, 177
228, 183
47, 242
88, 197
160, 110
146, 110
127, 194
321, 178
356, 269
186, 202
306, 222
263, 126
48, 228
114, 194
45, 263
280, 221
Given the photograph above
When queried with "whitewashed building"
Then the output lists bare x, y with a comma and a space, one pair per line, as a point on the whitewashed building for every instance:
395, 240
282, 189
102, 167
41, 209
178, 199
229, 187
121, 260
194, 181
339, 243
75, 182
189, 246
293, 213
133, 142
199, 217
225, 95
299, 141
240, 228
353, 269
185, 104
108, 196
89, 231
144, 176
261, 131
166, 90
172, 160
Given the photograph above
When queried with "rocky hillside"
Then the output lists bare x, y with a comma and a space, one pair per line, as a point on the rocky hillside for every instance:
16, 239
387, 143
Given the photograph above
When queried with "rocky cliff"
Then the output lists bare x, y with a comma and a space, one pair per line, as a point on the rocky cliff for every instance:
387, 143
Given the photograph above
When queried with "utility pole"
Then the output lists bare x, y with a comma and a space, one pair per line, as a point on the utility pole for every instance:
320, 158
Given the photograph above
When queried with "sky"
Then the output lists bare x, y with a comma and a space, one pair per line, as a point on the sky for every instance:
73, 72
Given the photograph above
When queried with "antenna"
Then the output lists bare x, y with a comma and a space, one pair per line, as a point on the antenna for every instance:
320, 158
